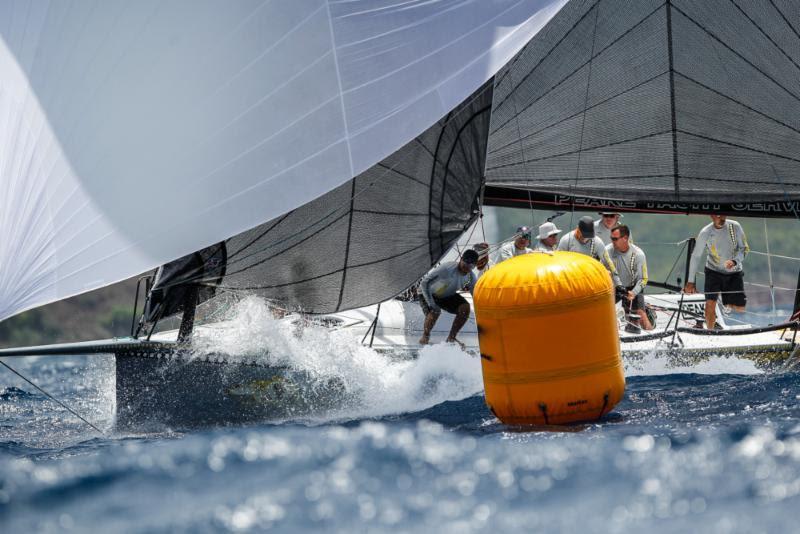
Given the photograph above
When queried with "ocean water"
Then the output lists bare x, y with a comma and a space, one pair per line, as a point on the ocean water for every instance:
708, 448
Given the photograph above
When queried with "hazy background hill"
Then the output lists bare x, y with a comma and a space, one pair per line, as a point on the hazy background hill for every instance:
107, 312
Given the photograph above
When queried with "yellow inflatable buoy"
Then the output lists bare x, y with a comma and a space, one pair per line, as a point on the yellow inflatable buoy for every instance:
548, 336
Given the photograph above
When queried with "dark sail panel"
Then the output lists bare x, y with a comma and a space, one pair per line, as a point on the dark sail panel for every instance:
679, 102
371, 238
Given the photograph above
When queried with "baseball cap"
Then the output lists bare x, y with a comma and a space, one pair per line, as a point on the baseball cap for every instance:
586, 226
470, 257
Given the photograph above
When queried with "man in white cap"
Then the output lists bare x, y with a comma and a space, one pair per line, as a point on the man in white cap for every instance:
583, 240
547, 238
603, 225
522, 240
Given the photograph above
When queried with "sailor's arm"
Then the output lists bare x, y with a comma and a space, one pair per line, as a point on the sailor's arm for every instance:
641, 273
742, 248
694, 263
424, 288
605, 259
472, 281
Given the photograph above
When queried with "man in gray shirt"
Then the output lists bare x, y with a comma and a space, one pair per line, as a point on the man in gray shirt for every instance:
631, 266
522, 240
603, 225
726, 245
584, 241
439, 290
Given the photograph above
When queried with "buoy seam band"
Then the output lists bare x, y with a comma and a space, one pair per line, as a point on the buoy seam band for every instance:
497, 312
557, 374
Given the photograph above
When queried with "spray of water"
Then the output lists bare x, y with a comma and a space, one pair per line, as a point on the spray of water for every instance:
370, 384
660, 363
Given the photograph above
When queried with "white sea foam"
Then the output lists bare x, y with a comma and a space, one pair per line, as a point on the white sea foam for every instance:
375, 384
661, 364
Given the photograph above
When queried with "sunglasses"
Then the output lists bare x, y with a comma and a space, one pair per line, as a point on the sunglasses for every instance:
616, 238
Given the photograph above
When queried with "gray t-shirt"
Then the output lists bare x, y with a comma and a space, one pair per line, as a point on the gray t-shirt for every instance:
593, 248
631, 267
509, 250
721, 244
602, 231
444, 281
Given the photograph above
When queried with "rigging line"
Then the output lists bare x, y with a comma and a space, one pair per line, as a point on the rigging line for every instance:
758, 253
677, 259
769, 266
52, 398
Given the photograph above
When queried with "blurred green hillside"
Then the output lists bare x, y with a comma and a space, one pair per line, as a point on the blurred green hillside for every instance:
657, 235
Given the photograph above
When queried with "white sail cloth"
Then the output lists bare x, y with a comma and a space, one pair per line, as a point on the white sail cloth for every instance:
132, 133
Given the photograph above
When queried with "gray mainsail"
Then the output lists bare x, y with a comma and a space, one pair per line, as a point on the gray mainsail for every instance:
655, 105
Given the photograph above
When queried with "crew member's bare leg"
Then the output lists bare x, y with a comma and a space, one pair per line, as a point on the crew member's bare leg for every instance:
458, 322
711, 314
430, 320
643, 319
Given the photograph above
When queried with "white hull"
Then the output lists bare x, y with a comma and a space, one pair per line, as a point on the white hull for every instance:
399, 326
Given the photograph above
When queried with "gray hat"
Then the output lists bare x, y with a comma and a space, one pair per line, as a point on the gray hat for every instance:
546, 230
586, 226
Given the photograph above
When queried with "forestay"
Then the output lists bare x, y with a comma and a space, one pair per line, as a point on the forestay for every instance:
679, 105
132, 133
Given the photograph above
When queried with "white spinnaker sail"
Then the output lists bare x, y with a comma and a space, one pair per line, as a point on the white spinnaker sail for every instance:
132, 133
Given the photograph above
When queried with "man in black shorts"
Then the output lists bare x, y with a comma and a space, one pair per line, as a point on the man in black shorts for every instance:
726, 245
438, 291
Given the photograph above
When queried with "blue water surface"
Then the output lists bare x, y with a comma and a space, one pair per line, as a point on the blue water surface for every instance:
683, 452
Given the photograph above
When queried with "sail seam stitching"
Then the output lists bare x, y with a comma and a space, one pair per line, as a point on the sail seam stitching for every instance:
737, 54
676, 177
347, 246
568, 76
593, 106
655, 134
727, 97
341, 91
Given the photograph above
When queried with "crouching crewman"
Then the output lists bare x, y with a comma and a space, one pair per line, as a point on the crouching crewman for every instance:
438, 290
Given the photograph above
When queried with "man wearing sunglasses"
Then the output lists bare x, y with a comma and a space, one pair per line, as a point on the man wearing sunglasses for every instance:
603, 225
631, 265
522, 241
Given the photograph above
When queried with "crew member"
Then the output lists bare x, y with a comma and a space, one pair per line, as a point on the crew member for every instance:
439, 290
547, 238
522, 241
483, 258
726, 245
631, 266
603, 225
583, 240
